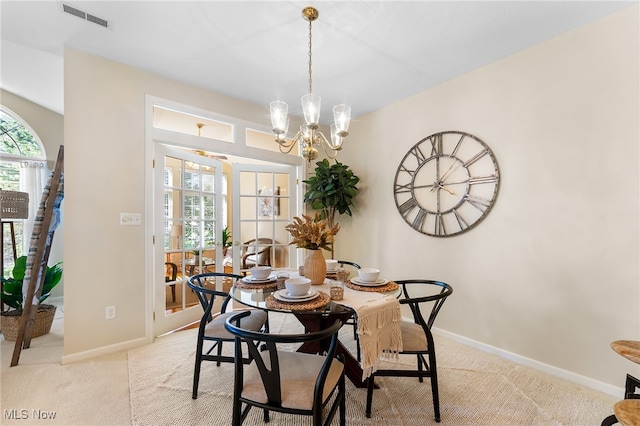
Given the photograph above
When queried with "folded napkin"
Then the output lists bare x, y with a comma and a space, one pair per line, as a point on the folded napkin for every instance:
379, 330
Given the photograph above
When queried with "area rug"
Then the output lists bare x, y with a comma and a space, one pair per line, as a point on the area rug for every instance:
475, 389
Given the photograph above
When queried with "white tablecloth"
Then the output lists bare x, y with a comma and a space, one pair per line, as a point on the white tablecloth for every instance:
378, 317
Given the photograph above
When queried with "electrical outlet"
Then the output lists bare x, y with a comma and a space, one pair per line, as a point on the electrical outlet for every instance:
111, 312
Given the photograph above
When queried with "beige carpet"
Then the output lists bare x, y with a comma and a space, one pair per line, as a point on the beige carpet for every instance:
92, 392
475, 389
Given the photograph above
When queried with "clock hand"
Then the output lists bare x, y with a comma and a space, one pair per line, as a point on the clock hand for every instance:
444, 176
449, 191
425, 186
451, 169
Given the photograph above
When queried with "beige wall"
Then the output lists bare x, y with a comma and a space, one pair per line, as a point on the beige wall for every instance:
552, 274
105, 175
49, 126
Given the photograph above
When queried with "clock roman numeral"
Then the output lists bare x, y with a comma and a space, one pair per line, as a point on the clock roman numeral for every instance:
438, 227
436, 145
478, 202
406, 207
476, 158
417, 152
418, 222
455, 150
483, 179
404, 168
401, 189
461, 222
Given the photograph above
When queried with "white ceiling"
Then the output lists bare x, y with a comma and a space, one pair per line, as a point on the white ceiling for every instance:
365, 53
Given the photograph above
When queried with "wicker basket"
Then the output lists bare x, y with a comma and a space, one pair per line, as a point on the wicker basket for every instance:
14, 205
10, 322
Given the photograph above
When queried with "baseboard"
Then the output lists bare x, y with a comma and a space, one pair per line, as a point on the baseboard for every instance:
536, 365
105, 350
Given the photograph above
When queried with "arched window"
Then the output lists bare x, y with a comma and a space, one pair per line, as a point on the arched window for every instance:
23, 168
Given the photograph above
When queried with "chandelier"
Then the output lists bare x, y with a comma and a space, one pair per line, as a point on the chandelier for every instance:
309, 137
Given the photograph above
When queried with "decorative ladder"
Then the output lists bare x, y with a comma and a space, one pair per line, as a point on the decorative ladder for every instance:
39, 249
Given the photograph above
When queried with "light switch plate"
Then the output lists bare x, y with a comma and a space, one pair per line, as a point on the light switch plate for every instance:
130, 219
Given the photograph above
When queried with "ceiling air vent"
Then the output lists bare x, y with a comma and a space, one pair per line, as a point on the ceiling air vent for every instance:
86, 16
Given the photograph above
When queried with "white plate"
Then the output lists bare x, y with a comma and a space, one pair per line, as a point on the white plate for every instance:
250, 279
377, 283
283, 296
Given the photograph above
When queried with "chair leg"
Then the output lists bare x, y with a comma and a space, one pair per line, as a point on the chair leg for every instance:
611, 420
343, 402
219, 353
434, 386
173, 292
370, 386
420, 366
237, 413
196, 377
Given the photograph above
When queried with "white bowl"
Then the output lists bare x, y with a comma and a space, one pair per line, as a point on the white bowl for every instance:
332, 264
297, 286
261, 272
369, 274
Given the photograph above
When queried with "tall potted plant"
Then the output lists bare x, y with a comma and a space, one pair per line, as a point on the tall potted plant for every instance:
332, 189
12, 296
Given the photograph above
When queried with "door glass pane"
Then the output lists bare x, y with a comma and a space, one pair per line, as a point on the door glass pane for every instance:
249, 207
247, 183
189, 228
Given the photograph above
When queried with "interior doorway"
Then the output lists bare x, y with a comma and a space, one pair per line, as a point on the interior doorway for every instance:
222, 198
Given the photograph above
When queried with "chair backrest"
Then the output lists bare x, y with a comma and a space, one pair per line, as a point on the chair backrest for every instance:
438, 297
267, 360
171, 273
207, 295
260, 248
347, 262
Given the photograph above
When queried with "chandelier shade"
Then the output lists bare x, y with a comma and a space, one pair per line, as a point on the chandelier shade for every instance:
309, 137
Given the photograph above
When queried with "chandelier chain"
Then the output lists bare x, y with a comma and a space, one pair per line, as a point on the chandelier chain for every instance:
310, 79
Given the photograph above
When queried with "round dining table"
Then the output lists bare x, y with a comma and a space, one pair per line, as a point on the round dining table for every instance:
313, 317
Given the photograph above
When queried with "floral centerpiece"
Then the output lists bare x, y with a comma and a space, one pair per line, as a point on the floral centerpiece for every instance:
313, 234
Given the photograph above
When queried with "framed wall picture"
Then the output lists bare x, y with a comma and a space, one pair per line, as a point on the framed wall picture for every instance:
269, 201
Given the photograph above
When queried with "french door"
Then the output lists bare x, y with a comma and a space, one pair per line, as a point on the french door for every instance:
190, 211
264, 202
187, 224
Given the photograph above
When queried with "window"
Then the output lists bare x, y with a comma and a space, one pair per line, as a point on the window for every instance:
22, 168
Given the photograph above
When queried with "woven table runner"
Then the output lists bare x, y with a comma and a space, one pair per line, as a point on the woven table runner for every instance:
254, 286
390, 286
322, 299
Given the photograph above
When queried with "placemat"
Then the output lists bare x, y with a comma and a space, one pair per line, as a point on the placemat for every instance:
253, 286
390, 286
322, 299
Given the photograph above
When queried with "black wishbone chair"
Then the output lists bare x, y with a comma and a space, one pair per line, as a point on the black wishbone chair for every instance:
285, 381
212, 328
416, 337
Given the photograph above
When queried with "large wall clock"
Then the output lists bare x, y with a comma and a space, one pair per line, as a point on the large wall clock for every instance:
446, 184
